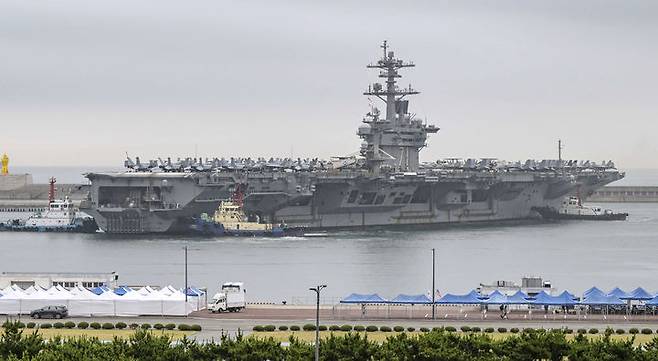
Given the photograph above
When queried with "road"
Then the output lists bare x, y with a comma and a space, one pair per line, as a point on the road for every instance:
213, 325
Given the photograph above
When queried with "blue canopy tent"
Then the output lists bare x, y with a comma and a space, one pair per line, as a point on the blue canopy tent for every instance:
618, 292
361, 298
601, 300
471, 298
638, 294
573, 297
544, 299
122, 290
411, 299
194, 292
496, 298
652, 302
99, 290
594, 291
519, 298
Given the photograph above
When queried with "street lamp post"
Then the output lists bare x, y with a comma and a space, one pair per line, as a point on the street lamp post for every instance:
317, 290
433, 284
185, 248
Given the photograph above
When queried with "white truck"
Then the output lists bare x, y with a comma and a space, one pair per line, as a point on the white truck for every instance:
231, 298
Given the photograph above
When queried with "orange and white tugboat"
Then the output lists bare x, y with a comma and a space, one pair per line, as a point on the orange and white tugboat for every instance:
230, 220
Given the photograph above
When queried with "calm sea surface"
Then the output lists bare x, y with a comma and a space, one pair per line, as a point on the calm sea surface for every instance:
573, 255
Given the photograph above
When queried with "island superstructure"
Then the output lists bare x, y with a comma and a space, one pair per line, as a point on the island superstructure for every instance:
386, 185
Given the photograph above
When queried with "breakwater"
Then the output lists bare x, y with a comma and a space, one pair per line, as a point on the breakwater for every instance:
625, 194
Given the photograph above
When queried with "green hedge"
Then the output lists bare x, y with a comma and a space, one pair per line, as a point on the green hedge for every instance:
158, 326
108, 326
31, 325
170, 326
120, 325
58, 325
145, 326
438, 345
448, 329
195, 327
95, 325
185, 327
83, 325
45, 325
69, 324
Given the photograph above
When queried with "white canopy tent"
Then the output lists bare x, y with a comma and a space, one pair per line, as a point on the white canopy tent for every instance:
167, 301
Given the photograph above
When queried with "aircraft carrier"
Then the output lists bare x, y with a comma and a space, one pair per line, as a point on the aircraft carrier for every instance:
383, 185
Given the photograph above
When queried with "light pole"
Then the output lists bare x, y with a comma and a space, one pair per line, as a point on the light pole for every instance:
433, 284
185, 248
317, 290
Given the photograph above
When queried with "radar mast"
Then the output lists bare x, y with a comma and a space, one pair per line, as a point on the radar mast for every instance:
395, 141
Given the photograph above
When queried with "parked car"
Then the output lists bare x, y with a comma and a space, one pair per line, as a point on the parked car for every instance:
51, 312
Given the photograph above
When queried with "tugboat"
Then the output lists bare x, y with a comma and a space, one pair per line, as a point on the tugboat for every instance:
572, 208
230, 220
60, 216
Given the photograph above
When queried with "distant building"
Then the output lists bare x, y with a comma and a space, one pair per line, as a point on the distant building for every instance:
624, 194
530, 285
66, 279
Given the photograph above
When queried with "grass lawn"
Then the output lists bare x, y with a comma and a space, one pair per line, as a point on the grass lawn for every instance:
309, 336
102, 334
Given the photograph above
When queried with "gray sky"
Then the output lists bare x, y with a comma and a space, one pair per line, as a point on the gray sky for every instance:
83, 82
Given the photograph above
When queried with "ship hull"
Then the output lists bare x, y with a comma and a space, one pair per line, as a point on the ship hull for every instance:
331, 203
551, 213
87, 225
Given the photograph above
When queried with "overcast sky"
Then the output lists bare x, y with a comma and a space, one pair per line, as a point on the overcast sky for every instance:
83, 82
